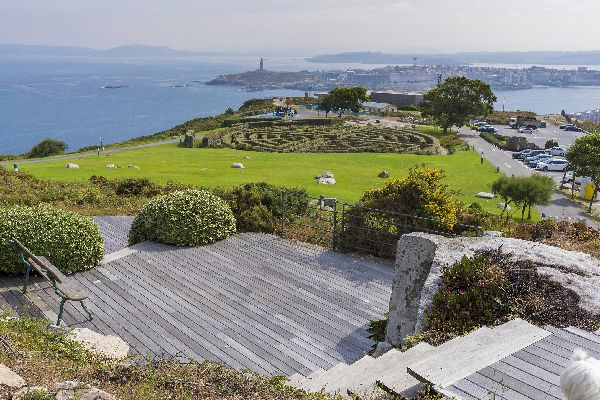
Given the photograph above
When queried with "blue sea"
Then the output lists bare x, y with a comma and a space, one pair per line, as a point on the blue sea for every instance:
64, 98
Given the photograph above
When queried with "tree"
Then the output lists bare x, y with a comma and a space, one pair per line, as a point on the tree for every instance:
229, 111
584, 160
47, 147
456, 100
347, 99
524, 192
326, 104
550, 144
505, 187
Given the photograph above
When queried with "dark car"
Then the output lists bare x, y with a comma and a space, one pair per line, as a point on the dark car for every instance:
573, 128
487, 128
563, 126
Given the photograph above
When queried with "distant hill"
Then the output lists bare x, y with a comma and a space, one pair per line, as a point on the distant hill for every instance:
135, 50
528, 57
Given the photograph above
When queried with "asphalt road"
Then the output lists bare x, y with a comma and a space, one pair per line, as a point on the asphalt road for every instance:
560, 206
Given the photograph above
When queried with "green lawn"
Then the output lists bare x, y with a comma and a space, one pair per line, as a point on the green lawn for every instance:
354, 172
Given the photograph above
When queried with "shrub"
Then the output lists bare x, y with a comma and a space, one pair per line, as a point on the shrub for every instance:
258, 206
183, 218
47, 147
70, 241
132, 187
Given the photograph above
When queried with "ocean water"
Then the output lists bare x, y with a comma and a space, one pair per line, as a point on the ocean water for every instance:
63, 98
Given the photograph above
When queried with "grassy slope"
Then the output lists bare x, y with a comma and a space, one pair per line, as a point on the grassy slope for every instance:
211, 167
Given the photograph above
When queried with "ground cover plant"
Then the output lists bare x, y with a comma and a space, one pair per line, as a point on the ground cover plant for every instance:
355, 172
45, 357
183, 218
286, 137
490, 289
71, 242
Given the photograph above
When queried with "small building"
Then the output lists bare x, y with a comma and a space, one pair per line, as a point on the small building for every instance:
398, 99
375, 107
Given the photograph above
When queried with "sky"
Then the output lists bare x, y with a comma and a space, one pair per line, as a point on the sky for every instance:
306, 27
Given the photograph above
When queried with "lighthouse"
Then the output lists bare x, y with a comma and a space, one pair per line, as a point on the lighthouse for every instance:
262, 65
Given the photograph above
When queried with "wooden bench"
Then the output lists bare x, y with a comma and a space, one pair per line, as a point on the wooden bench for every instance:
65, 288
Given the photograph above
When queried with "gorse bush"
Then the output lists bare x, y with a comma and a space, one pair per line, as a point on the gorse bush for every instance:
71, 242
183, 218
46, 148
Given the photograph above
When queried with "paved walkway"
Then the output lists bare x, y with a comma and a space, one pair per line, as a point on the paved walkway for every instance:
252, 301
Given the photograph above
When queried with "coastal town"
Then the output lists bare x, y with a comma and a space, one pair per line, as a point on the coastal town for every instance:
411, 77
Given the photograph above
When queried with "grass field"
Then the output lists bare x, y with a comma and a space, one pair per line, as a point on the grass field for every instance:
354, 172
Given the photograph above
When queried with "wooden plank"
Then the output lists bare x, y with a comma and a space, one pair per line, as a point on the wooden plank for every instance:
184, 291
498, 389
524, 381
150, 289
532, 369
517, 386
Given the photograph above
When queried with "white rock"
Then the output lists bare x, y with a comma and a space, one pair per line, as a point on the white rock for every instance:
325, 175
10, 378
422, 257
110, 346
71, 165
111, 166
27, 392
70, 390
238, 165
133, 166
502, 205
486, 195
326, 181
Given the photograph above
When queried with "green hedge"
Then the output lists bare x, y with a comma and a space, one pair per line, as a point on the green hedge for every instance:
183, 218
70, 241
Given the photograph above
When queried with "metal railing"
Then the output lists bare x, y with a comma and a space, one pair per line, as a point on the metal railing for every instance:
354, 228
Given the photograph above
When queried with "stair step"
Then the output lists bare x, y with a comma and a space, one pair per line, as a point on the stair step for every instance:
323, 380
454, 360
296, 379
361, 379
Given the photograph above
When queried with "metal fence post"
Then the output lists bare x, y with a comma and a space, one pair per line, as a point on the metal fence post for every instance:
334, 233
282, 213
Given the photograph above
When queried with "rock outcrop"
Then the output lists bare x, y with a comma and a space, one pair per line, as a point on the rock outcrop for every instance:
421, 258
10, 378
326, 178
237, 165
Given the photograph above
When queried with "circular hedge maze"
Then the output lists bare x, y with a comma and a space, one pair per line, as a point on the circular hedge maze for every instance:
347, 138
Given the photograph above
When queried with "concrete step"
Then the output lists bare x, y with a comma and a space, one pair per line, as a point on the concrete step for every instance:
323, 380
390, 370
296, 379
456, 359
308, 378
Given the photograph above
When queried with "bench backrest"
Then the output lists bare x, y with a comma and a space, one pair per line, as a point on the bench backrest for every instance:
28, 258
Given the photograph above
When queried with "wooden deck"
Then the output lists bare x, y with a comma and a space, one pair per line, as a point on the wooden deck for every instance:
252, 301
115, 231
529, 374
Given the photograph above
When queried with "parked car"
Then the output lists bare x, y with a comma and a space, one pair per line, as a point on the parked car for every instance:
573, 128
552, 164
525, 129
524, 153
563, 126
557, 151
532, 154
479, 123
487, 128
569, 178
538, 159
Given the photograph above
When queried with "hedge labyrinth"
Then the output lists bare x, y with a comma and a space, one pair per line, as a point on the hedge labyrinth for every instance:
289, 138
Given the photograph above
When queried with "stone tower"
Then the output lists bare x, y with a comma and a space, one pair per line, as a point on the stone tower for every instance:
262, 65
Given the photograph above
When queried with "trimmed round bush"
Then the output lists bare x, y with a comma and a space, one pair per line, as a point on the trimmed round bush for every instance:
70, 241
183, 218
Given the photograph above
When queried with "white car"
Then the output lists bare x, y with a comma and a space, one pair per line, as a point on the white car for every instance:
569, 178
557, 151
552, 164
525, 130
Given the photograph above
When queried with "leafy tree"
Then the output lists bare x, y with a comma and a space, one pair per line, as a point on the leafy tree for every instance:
524, 192
347, 99
47, 147
326, 104
584, 160
456, 100
550, 144
505, 187
229, 111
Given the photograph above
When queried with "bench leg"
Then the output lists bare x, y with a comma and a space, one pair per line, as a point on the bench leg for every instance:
60, 312
86, 310
26, 285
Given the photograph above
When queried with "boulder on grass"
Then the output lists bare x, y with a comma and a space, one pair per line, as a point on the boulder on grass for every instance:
71, 165
237, 165
325, 175
486, 195
10, 378
326, 181
503, 205
70, 390
384, 174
